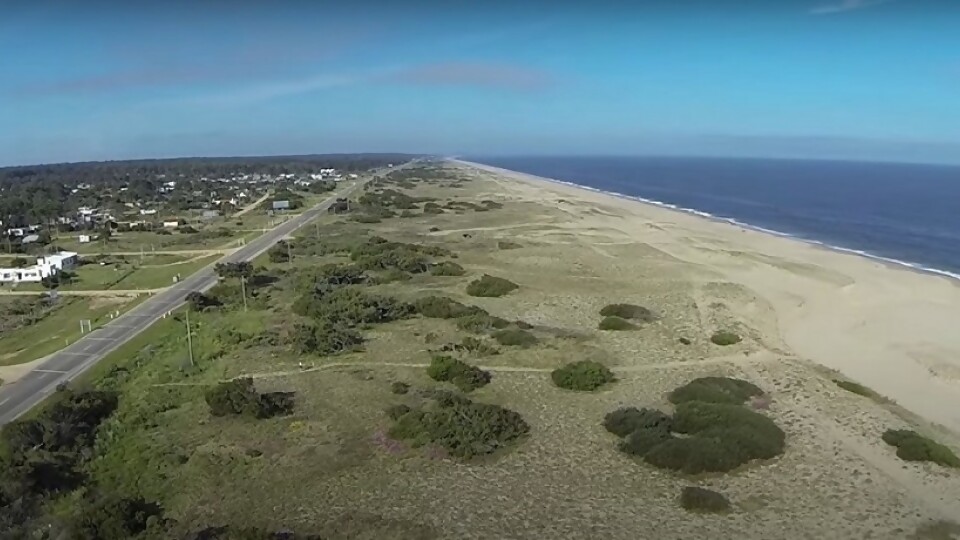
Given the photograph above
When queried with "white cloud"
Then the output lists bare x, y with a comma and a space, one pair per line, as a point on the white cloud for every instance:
845, 6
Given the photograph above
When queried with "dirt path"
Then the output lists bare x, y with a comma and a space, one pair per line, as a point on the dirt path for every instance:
735, 360
254, 204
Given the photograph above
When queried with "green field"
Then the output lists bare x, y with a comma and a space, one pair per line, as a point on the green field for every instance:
59, 328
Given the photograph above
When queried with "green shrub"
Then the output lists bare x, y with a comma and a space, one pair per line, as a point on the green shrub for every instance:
724, 338
721, 437
507, 244
641, 441
616, 323
408, 214
479, 323
447, 268
399, 387
626, 420
349, 306
523, 325
233, 397
911, 446
324, 338
628, 311
698, 499
855, 388
432, 208
515, 337
584, 376
715, 390
110, 517
491, 286
476, 346
396, 411
366, 218
464, 428
441, 307
464, 376
391, 275
684, 341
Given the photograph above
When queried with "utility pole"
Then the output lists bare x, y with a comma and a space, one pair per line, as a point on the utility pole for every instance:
289, 253
189, 338
317, 225
243, 290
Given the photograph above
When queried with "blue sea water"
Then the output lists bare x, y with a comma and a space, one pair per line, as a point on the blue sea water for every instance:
903, 213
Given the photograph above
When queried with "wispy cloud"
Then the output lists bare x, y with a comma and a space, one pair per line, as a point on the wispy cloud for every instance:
476, 74
257, 93
148, 66
846, 5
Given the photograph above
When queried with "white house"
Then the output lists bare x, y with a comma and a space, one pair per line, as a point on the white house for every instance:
46, 266
171, 224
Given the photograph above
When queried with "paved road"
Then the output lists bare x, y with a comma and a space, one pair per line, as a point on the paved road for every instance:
61, 367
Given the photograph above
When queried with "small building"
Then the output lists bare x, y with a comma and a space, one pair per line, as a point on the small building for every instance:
209, 214
171, 224
84, 238
46, 266
281, 205
30, 238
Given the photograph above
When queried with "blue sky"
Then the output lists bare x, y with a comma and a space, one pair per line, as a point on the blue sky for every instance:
861, 79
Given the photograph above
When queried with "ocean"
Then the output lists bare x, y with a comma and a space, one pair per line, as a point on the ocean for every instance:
906, 214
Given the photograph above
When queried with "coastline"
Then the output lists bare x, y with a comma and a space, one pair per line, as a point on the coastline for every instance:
892, 262
882, 323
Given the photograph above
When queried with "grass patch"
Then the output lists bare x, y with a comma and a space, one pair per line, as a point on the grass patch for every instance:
441, 307
583, 376
616, 324
856, 388
507, 244
698, 499
481, 322
628, 311
725, 338
911, 446
515, 337
491, 287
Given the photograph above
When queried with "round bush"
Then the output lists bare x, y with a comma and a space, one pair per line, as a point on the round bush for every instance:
698, 499
626, 420
628, 311
616, 323
720, 438
724, 338
584, 375
491, 286
715, 390
515, 337
479, 323
447, 268
911, 446
642, 440
464, 428
399, 387
464, 376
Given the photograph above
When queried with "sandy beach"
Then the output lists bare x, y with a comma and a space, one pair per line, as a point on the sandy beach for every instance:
890, 328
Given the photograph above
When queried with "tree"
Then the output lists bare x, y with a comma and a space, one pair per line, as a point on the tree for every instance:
241, 270
20, 262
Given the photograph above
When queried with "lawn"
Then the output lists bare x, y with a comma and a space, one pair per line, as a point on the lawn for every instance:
59, 328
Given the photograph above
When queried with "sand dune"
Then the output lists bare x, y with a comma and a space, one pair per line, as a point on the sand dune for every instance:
890, 328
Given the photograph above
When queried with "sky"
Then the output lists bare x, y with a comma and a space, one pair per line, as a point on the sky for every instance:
835, 79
